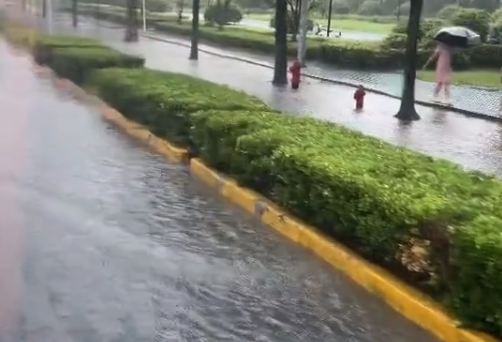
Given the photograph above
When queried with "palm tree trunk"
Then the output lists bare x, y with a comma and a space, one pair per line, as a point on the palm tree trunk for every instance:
194, 46
407, 110
281, 44
74, 12
131, 34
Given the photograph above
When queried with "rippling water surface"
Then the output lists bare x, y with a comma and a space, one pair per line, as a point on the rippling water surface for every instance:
102, 241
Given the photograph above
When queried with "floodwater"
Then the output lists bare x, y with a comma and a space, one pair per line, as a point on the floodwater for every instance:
101, 240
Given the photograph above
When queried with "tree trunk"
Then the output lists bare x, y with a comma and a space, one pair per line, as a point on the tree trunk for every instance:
181, 4
131, 34
74, 12
281, 44
295, 19
407, 110
194, 47
44, 8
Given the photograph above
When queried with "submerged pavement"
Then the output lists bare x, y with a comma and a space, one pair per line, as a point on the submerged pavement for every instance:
101, 240
481, 100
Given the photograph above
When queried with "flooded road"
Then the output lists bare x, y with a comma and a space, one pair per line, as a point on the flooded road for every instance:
101, 241
475, 143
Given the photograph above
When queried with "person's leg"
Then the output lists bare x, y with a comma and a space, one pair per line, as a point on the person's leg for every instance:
500, 105
437, 89
447, 92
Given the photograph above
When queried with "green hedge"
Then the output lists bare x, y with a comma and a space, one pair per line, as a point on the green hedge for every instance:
387, 55
76, 63
375, 197
171, 99
351, 54
75, 57
45, 44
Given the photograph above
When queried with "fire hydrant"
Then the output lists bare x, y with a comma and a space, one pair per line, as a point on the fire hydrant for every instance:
359, 95
295, 70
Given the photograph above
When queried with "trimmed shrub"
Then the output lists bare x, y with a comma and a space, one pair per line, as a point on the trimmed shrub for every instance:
496, 16
217, 14
370, 7
476, 20
340, 7
45, 45
151, 5
171, 98
403, 9
448, 12
395, 41
76, 63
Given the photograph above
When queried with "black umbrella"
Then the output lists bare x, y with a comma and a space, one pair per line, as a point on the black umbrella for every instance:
457, 37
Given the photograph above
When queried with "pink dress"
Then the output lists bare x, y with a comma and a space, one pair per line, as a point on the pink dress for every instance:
443, 64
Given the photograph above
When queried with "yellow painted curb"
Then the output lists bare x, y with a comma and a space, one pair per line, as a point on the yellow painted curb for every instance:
409, 302
143, 135
131, 128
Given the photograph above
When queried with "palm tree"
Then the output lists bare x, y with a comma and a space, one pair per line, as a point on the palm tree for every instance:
407, 110
74, 12
194, 46
281, 43
131, 34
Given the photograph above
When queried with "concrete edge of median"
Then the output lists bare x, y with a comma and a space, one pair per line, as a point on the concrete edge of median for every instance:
330, 80
409, 302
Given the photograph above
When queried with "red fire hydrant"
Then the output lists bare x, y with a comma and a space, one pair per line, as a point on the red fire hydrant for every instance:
295, 70
359, 95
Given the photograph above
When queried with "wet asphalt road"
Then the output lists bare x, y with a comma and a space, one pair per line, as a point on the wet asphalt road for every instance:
474, 143
101, 241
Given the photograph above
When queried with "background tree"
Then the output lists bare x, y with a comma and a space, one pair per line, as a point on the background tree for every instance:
194, 46
281, 44
132, 22
476, 19
407, 110
180, 6
222, 13
74, 12
293, 15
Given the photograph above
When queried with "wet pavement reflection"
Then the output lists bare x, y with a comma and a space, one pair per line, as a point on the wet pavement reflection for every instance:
475, 143
102, 241
475, 99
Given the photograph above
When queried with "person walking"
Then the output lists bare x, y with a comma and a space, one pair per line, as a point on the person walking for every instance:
443, 54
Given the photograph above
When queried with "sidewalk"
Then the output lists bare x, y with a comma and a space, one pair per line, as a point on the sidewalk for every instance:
471, 142
470, 99
465, 98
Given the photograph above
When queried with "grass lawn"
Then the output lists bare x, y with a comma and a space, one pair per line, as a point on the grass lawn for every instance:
341, 24
478, 78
